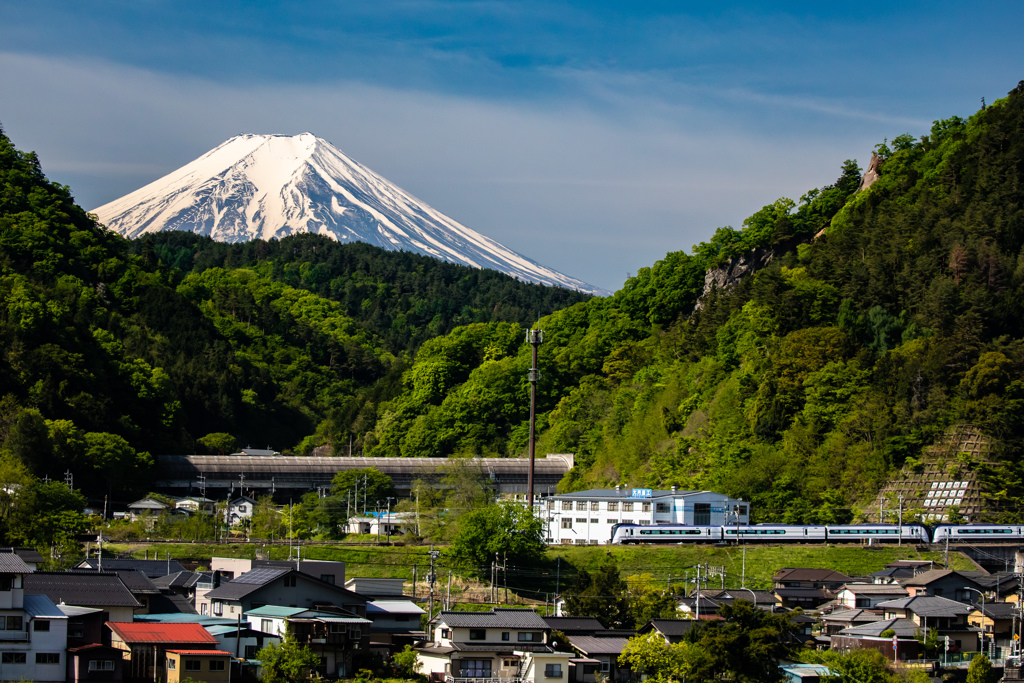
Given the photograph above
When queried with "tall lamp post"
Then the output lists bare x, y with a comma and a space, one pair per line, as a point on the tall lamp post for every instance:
534, 338
981, 647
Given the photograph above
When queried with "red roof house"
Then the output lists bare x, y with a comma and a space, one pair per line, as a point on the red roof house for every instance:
148, 644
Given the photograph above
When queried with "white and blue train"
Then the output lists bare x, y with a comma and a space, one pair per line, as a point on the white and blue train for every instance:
828, 533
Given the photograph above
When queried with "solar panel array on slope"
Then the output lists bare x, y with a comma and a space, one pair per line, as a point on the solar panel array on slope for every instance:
260, 576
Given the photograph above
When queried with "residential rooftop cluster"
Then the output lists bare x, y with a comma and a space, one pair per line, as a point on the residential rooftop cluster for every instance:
128, 620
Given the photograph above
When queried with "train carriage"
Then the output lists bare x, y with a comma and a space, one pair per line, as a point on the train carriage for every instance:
910, 533
665, 533
774, 533
977, 533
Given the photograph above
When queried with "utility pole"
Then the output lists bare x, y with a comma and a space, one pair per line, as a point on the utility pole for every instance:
743, 577
448, 596
364, 492
558, 580
414, 568
946, 559
504, 574
433, 557
387, 528
534, 338
696, 599
899, 528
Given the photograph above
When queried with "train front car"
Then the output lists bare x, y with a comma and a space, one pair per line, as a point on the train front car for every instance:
665, 533
877, 533
977, 533
774, 533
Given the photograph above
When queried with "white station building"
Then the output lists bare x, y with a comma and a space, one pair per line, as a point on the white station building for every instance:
586, 517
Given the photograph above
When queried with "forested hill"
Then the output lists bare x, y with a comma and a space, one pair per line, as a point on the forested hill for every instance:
107, 357
401, 298
802, 388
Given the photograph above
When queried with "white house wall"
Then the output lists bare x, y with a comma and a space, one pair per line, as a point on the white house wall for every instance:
589, 520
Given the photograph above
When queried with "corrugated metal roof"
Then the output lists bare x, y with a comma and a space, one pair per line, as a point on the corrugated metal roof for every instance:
902, 627
496, 618
40, 606
140, 632
203, 653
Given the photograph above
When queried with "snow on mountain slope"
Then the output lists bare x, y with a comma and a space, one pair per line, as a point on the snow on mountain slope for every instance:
265, 186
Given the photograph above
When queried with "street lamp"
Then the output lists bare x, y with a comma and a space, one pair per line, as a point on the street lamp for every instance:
981, 647
752, 593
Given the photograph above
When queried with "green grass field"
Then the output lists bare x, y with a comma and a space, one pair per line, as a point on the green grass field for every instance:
753, 567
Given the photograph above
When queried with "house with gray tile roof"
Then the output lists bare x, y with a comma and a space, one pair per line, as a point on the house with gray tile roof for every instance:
574, 626
504, 643
931, 612
276, 586
102, 590
867, 595
869, 636
603, 655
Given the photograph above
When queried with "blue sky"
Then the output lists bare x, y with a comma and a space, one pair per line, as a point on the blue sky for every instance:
592, 136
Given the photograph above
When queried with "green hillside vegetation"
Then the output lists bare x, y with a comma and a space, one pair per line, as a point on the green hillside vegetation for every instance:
113, 351
802, 388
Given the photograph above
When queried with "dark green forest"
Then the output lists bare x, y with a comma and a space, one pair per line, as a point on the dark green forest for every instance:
883, 317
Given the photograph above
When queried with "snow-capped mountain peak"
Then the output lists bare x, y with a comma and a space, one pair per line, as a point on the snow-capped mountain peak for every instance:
266, 186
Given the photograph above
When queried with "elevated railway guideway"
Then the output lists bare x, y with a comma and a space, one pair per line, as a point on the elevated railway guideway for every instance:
289, 476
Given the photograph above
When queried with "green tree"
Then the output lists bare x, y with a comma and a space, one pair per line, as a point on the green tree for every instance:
745, 646
288, 662
862, 666
980, 671
508, 529
651, 656
218, 443
368, 482
603, 595
648, 601
407, 662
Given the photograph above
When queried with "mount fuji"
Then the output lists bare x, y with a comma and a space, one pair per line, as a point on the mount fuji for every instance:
267, 186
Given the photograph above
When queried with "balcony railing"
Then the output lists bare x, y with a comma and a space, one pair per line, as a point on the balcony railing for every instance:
474, 679
13, 636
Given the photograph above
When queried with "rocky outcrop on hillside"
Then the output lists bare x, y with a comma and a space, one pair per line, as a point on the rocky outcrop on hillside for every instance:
726, 276
870, 175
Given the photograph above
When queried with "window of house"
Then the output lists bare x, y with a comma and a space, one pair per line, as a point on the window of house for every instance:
478, 634
6, 582
193, 665
250, 651
14, 624
289, 581
743, 509
529, 637
47, 658
504, 635
663, 507
510, 663
445, 633
612, 507
595, 520
645, 521
581, 520
216, 665
266, 625
327, 578
241, 508
551, 505
13, 658
76, 631
567, 505
218, 608
581, 505
645, 507
594, 506
567, 523
627, 521
627, 507
475, 668
41, 625
552, 671
355, 632
171, 664
101, 665
606, 667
